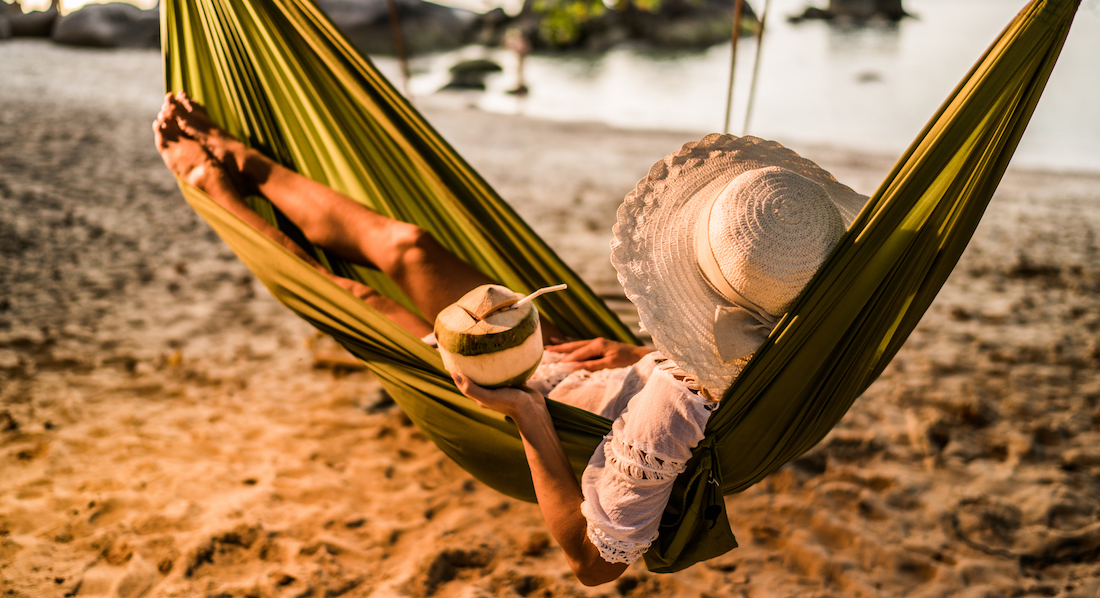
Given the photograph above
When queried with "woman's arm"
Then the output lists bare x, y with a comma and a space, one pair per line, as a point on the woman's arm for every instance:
599, 353
556, 487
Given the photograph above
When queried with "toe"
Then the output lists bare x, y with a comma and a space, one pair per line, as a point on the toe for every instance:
187, 128
184, 101
191, 105
175, 112
174, 105
169, 131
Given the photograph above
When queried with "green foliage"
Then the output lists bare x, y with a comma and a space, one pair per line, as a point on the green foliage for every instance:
562, 20
649, 5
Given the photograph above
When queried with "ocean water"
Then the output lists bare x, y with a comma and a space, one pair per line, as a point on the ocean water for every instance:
870, 88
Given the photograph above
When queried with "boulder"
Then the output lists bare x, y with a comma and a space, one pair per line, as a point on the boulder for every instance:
111, 25
425, 27
867, 9
687, 23
857, 11
490, 27
31, 24
811, 12
471, 74
673, 24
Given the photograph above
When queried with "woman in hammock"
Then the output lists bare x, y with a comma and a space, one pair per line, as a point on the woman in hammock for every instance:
712, 247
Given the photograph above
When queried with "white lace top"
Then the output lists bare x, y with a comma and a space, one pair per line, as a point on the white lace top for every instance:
659, 415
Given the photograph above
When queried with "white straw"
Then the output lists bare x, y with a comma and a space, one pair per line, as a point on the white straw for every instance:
542, 291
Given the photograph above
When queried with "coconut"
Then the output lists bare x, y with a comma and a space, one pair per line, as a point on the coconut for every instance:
490, 336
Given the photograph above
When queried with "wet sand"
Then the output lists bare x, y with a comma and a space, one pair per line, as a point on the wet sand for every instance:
164, 429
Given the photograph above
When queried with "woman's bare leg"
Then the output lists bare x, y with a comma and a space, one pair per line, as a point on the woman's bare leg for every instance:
190, 160
427, 272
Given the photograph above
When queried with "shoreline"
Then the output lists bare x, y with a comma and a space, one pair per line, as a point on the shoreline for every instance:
166, 430
136, 80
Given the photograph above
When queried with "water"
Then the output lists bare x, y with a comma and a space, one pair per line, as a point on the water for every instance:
68, 6
868, 89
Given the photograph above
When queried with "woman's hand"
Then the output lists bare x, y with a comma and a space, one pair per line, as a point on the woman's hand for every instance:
509, 401
599, 353
556, 488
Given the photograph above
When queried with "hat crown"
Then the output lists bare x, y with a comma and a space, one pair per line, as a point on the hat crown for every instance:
770, 230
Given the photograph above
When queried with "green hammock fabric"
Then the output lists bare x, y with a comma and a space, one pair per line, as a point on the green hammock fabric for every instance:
277, 74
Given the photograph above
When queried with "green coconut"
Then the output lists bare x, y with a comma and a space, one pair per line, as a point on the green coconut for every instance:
489, 338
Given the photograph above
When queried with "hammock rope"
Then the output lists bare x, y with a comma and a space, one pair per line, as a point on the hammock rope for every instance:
738, 8
277, 74
756, 67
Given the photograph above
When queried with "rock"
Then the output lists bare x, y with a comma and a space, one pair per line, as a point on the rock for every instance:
606, 34
111, 25
867, 9
687, 23
38, 23
673, 24
811, 12
471, 74
425, 27
491, 27
859, 11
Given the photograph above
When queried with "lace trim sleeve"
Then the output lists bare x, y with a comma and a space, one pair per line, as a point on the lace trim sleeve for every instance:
629, 479
638, 464
616, 551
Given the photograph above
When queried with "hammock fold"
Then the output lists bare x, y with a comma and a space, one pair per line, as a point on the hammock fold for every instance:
277, 74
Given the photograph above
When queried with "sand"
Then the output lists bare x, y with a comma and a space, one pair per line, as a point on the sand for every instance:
164, 429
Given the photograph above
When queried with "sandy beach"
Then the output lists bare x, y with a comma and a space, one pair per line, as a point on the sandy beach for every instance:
168, 429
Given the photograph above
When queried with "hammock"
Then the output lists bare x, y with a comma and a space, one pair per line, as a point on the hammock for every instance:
277, 74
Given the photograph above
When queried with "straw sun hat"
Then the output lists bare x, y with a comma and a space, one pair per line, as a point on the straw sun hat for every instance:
716, 243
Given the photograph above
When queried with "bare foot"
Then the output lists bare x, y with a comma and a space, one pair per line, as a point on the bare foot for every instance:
193, 120
185, 156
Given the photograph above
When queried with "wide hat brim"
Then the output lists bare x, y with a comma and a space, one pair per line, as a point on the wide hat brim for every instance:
653, 248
